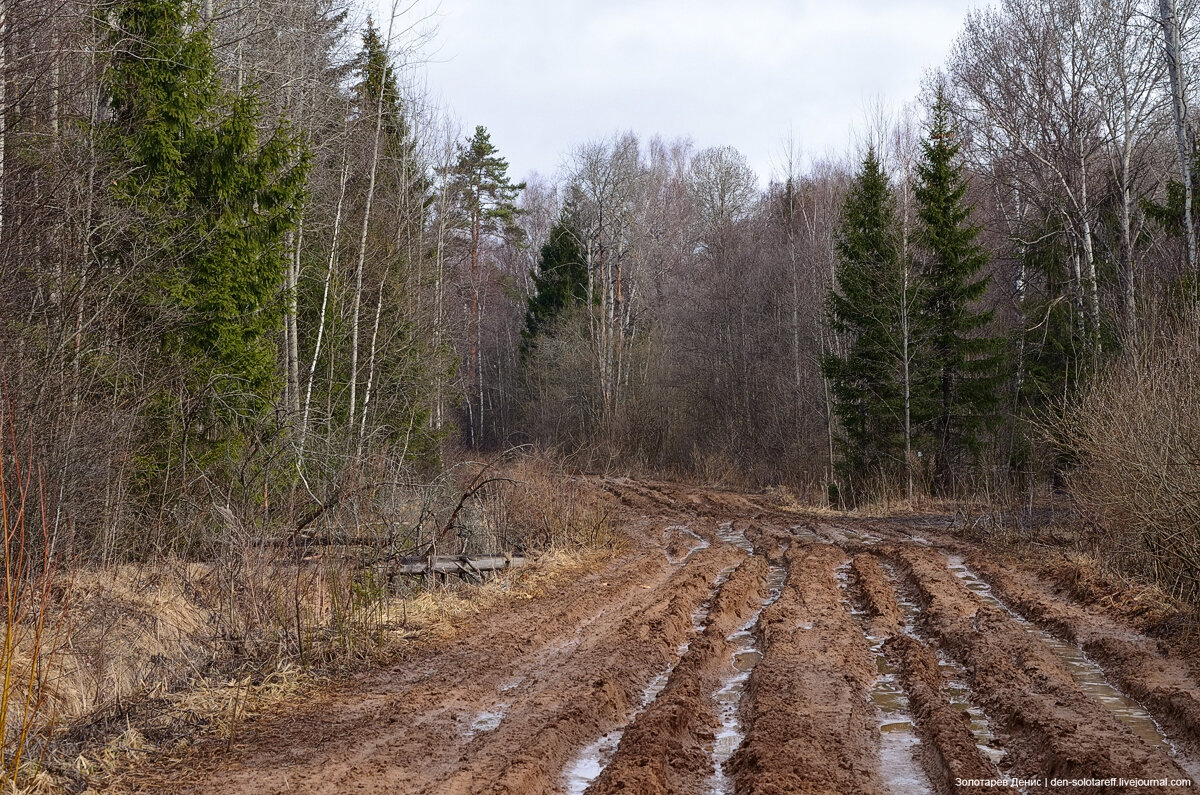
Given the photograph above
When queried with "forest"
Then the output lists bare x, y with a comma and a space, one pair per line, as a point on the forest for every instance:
260, 294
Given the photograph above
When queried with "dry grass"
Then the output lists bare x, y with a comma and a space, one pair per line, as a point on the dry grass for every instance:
163, 653
438, 614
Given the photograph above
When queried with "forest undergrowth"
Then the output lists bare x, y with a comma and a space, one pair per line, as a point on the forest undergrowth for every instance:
103, 666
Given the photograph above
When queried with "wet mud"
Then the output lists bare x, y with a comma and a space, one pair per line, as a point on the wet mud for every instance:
740, 648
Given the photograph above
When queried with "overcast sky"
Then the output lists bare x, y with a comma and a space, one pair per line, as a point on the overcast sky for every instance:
546, 75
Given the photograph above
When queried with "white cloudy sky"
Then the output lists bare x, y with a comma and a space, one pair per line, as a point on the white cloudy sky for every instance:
546, 75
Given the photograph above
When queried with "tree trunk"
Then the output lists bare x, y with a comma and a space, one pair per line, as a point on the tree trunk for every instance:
1170, 24
356, 300
293, 345
362, 431
475, 363
3, 104
333, 248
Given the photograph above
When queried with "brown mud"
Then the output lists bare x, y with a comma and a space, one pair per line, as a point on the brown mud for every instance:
1161, 683
949, 752
810, 725
665, 749
1050, 727
642, 648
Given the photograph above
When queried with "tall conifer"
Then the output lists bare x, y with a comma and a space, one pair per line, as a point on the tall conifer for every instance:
868, 309
965, 364
205, 209
559, 282
485, 199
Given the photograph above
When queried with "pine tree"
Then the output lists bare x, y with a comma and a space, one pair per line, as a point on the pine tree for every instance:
870, 308
485, 199
966, 365
206, 207
559, 281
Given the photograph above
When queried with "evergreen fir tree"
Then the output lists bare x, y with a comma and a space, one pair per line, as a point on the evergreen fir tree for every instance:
868, 308
207, 206
965, 364
559, 281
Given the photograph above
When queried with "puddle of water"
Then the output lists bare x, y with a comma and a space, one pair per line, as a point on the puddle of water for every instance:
805, 534
1086, 673
958, 692
486, 721
960, 698
897, 752
701, 543
726, 533
898, 742
729, 697
588, 765
867, 539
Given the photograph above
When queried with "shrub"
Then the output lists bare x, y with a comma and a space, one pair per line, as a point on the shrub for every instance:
1135, 434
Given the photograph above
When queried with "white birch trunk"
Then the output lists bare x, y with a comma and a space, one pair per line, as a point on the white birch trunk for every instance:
356, 300
333, 248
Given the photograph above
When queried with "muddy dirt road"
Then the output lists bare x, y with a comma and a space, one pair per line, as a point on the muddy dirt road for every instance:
742, 649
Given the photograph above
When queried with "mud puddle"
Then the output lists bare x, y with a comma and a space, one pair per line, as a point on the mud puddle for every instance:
1086, 673
701, 543
866, 539
957, 689
726, 533
959, 693
592, 760
729, 697
898, 744
802, 533
486, 721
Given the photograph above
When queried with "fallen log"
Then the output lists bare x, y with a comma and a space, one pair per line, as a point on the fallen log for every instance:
456, 564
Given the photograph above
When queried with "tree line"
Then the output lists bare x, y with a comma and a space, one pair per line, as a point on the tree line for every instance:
247, 262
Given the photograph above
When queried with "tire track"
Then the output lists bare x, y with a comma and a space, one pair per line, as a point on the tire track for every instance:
949, 749
809, 726
667, 746
1050, 727
1160, 684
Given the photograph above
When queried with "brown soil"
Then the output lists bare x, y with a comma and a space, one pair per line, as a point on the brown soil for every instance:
1163, 685
556, 672
810, 725
1051, 725
949, 750
666, 748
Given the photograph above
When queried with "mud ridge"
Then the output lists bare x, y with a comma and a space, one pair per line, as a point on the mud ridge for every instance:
948, 747
665, 749
1049, 726
614, 677
1163, 686
808, 725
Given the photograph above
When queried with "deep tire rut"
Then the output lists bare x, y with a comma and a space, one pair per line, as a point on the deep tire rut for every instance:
1050, 726
826, 619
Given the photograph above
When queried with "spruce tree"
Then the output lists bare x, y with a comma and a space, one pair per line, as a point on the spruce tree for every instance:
965, 363
868, 308
399, 375
559, 281
205, 207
